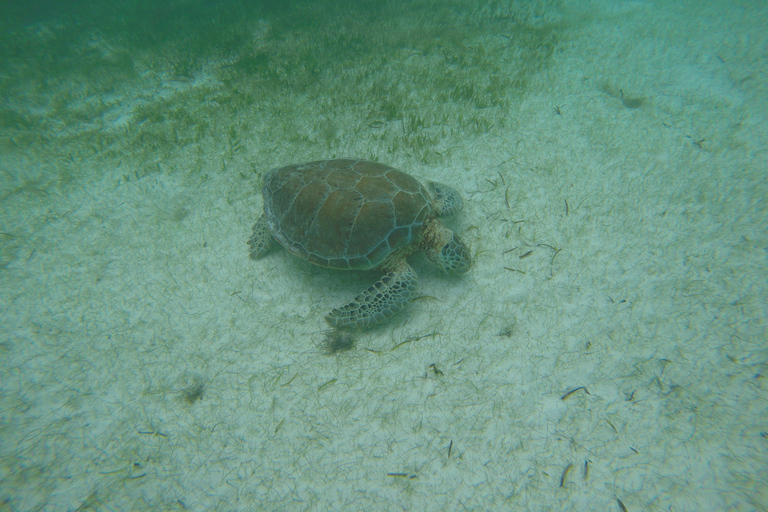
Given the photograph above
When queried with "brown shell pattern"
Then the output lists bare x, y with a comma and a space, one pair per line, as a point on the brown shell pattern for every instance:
348, 214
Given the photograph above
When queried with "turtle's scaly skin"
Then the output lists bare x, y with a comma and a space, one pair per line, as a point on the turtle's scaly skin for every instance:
357, 215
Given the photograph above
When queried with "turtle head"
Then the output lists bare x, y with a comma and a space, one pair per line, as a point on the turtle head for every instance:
453, 256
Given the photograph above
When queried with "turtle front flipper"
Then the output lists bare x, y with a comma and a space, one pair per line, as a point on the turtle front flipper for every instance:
446, 200
380, 301
261, 239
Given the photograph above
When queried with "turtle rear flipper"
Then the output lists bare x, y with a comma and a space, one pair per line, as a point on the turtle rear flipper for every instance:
380, 301
261, 239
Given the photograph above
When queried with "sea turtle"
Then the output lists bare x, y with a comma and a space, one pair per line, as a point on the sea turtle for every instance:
359, 215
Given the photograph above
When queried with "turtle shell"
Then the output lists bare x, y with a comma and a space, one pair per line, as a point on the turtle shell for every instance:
347, 214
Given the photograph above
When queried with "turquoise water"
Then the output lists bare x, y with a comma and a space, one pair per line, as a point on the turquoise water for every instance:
611, 157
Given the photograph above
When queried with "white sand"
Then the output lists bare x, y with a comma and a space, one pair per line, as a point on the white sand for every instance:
126, 285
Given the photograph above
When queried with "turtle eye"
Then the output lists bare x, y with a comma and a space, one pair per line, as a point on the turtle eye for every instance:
455, 256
